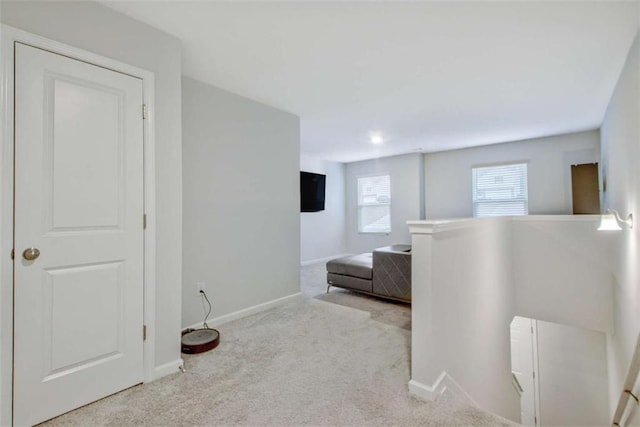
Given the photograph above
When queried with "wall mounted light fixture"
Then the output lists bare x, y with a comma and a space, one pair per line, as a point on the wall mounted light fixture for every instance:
611, 220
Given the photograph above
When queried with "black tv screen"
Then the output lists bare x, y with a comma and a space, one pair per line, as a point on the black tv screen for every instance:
312, 192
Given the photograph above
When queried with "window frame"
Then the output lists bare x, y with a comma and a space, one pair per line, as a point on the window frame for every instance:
359, 206
475, 202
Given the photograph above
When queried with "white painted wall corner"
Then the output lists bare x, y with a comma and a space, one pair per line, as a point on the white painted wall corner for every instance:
172, 367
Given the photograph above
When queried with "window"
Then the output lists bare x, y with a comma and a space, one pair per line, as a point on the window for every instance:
500, 190
374, 204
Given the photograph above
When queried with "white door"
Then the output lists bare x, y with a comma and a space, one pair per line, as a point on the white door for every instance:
522, 366
79, 202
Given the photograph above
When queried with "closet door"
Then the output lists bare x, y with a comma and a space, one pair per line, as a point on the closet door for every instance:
78, 267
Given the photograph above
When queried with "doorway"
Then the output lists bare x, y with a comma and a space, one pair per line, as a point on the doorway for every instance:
585, 190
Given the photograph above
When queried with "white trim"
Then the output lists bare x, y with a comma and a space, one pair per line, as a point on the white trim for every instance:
358, 205
505, 163
444, 388
217, 321
549, 218
325, 259
516, 385
536, 371
150, 231
6, 232
432, 226
9, 37
172, 367
422, 391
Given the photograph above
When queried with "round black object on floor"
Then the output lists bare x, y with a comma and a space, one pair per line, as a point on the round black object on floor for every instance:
200, 340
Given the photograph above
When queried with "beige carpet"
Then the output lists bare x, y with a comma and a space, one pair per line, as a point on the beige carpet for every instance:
329, 360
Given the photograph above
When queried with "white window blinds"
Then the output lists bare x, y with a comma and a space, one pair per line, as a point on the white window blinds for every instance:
500, 190
374, 204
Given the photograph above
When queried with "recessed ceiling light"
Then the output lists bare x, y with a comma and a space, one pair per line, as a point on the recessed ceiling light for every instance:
376, 138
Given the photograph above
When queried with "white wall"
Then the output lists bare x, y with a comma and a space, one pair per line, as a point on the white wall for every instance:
561, 270
448, 174
462, 307
621, 162
572, 376
241, 201
323, 234
93, 27
470, 277
406, 199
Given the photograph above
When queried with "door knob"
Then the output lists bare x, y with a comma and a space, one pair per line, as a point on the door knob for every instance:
30, 254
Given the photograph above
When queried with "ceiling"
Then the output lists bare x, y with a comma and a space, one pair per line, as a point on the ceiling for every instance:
428, 76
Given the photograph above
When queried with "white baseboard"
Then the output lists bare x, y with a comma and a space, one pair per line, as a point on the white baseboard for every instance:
422, 391
444, 388
217, 321
167, 369
314, 261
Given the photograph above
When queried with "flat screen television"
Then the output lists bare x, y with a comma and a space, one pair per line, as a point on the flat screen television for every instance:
312, 192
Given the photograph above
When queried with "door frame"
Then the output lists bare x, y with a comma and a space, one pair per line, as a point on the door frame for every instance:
8, 37
535, 393
536, 371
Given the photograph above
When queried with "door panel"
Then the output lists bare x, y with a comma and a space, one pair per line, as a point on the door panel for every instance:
88, 123
104, 284
79, 200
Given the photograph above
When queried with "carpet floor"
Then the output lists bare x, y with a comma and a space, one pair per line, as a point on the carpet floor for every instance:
337, 359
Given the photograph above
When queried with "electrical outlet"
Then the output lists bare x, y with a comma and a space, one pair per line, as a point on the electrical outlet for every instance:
200, 286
